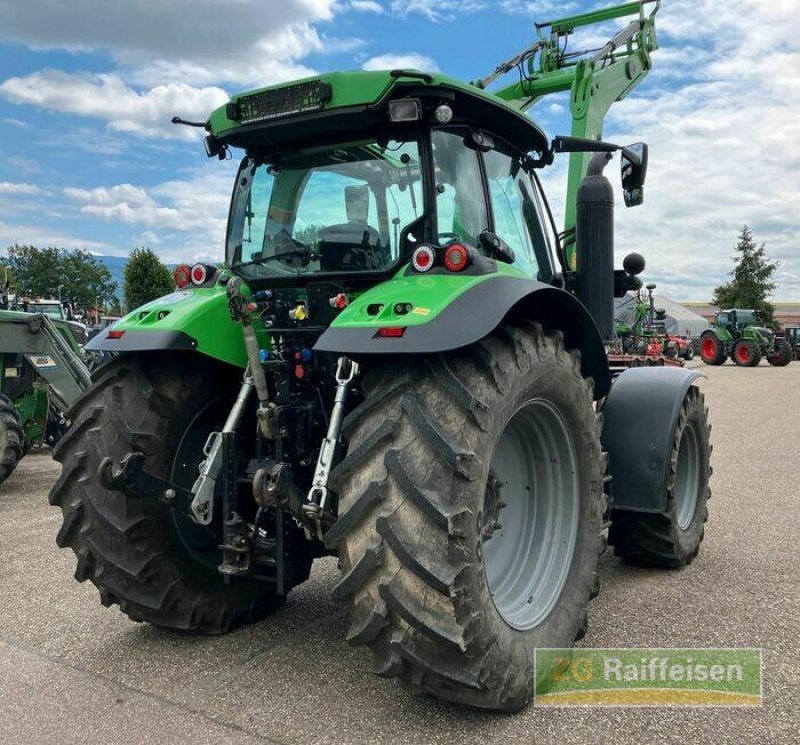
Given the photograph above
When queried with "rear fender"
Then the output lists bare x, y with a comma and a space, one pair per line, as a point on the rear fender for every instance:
192, 319
456, 320
640, 414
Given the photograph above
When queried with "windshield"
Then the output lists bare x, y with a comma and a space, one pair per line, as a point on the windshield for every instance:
50, 309
341, 209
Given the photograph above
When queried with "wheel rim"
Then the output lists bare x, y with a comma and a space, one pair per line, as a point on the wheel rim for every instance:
743, 353
708, 349
201, 542
527, 558
687, 476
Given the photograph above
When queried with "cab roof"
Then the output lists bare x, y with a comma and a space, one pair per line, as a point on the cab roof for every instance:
325, 105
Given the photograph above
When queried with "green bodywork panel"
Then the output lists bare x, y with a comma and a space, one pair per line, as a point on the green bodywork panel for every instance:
427, 294
201, 313
359, 88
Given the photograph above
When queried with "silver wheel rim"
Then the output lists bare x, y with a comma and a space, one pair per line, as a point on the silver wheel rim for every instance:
687, 476
527, 558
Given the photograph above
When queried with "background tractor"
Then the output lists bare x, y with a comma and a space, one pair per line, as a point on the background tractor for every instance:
402, 363
790, 336
739, 335
41, 375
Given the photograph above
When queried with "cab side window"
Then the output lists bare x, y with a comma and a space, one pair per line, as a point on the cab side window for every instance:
460, 203
515, 211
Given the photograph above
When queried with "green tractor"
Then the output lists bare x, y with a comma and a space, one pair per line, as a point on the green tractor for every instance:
790, 336
402, 364
41, 375
739, 335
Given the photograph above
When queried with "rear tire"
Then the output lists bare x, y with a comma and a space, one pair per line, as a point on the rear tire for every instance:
712, 350
132, 548
746, 353
12, 438
435, 450
672, 539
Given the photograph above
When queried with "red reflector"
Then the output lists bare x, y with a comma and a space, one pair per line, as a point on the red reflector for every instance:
113, 334
182, 275
457, 257
392, 332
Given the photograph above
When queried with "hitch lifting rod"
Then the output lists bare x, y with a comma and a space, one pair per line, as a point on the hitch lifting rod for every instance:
203, 489
346, 371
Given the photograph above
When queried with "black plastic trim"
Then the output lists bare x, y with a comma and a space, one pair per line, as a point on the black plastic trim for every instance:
141, 341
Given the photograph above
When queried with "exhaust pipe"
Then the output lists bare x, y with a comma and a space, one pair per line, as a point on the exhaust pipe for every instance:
594, 230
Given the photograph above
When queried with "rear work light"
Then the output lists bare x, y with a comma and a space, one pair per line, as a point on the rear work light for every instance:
457, 257
405, 110
423, 259
182, 275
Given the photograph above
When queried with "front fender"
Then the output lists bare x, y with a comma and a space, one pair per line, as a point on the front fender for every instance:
639, 418
440, 320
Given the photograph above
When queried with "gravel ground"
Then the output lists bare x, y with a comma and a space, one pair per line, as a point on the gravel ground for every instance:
72, 671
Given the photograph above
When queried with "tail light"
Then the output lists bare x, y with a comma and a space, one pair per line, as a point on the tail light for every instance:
457, 257
423, 259
182, 275
199, 274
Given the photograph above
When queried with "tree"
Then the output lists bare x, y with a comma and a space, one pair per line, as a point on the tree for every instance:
752, 279
146, 278
39, 272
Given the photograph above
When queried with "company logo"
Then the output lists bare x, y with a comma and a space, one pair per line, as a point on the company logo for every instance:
648, 677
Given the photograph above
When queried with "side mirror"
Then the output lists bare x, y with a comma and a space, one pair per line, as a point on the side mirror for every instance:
356, 203
634, 173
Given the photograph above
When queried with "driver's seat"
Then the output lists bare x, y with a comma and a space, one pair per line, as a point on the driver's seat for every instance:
350, 246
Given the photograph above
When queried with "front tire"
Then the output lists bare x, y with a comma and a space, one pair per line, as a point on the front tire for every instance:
746, 353
451, 468
673, 538
132, 549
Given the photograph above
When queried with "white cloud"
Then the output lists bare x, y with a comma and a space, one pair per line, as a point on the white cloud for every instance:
20, 234
367, 6
438, 10
409, 60
8, 187
723, 140
185, 218
204, 41
107, 97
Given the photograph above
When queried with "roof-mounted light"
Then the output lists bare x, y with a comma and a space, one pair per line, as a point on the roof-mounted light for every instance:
405, 110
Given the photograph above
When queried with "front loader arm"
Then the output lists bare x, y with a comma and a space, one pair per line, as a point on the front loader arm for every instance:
595, 79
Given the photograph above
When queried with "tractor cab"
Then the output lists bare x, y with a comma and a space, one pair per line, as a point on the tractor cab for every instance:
361, 199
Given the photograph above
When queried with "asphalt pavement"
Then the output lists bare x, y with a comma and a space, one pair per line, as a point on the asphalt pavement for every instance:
72, 671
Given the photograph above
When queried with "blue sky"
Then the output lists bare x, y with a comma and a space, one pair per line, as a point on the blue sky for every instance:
88, 158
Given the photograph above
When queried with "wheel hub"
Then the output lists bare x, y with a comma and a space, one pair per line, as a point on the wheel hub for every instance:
527, 558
